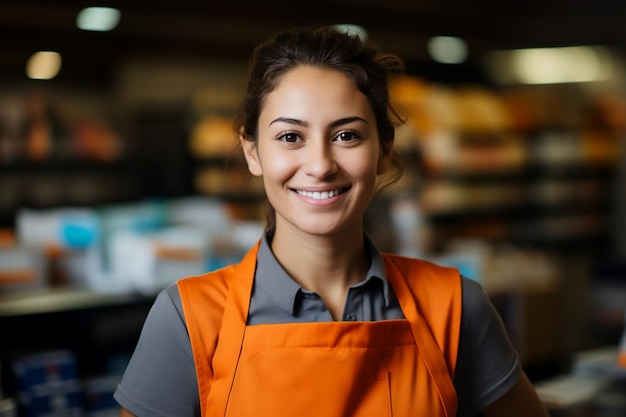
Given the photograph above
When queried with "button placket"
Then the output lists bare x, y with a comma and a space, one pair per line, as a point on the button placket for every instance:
350, 317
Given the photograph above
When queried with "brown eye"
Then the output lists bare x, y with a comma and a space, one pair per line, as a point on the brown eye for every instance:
346, 136
289, 137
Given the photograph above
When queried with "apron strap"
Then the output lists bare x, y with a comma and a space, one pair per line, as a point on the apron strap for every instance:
427, 347
232, 332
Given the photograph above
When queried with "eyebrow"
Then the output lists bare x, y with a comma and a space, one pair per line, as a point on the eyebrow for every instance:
335, 123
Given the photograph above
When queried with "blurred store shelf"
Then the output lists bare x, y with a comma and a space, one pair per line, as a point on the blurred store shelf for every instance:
55, 300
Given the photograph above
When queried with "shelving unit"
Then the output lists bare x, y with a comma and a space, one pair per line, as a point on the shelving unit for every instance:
541, 185
532, 206
54, 183
528, 166
61, 300
100, 330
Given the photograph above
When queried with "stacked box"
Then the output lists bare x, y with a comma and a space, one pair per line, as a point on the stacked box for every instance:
98, 394
48, 385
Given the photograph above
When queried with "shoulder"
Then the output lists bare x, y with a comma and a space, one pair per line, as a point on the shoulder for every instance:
414, 267
211, 284
478, 310
475, 299
404, 262
214, 286
424, 277
205, 295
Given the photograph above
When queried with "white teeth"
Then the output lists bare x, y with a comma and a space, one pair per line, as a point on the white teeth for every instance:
316, 195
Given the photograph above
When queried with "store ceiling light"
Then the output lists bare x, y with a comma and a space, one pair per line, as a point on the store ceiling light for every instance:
447, 49
353, 30
99, 19
572, 64
43, 65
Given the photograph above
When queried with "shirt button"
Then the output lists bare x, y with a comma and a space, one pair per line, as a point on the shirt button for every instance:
351, 317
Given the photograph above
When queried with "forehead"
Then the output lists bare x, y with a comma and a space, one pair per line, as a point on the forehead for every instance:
313, 73
314, 91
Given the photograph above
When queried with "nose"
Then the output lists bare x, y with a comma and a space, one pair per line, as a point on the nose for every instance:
319, 161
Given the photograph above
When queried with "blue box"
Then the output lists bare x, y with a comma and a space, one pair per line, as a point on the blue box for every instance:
48, 385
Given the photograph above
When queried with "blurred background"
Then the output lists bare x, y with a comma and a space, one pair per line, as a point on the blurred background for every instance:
119, 174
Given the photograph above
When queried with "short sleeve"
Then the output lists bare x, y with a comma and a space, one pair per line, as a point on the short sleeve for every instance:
160, 379
487, 363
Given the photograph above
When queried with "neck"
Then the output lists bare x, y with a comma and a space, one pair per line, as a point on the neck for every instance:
326, 265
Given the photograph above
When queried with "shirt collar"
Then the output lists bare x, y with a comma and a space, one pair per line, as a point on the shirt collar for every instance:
283, 290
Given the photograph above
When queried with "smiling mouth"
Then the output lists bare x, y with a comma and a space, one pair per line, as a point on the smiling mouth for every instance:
321, 195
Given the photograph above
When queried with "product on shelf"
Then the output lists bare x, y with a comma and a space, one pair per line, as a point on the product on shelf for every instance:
96, 141
21, 268
48, 384
621, 350
216, 180
212, 136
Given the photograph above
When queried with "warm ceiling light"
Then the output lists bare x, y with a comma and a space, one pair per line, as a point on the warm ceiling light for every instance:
572, 64
43, 65
100, 19
447, 49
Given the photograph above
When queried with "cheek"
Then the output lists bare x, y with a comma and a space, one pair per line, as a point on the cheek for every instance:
276, 165
365, 165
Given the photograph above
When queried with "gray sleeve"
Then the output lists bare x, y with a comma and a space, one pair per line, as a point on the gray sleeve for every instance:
160, 379
487, 363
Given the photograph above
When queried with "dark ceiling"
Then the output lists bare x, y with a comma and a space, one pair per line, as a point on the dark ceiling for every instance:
229, 29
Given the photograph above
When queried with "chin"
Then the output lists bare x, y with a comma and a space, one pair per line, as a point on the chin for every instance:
326, 229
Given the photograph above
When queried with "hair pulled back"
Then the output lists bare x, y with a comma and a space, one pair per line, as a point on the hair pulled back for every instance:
328, 48
324, 47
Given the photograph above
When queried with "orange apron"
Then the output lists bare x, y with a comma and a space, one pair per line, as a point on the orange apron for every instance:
329, 369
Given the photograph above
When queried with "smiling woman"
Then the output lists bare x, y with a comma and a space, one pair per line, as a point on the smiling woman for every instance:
315, 320
317, 135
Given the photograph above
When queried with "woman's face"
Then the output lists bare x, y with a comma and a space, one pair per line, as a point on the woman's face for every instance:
318, 151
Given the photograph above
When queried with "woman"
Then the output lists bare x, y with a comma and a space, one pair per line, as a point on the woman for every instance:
315, 321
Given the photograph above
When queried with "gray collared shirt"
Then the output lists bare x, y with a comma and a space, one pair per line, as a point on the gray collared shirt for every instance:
160, 379
277, 298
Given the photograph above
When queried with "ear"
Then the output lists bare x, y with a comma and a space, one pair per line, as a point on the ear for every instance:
250, 153
384, 159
